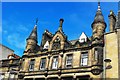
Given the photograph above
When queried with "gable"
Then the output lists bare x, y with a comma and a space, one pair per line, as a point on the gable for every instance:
82, 38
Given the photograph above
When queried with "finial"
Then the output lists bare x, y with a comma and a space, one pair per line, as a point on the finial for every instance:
61, 21
99, 5
111, 12
36, 21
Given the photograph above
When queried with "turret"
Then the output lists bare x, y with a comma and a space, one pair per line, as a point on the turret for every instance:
32, 40
98, 24
98, 27
112, 21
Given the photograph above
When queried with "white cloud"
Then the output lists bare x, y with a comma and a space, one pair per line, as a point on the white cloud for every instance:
22, 28
0, 29
16, 40
5, 31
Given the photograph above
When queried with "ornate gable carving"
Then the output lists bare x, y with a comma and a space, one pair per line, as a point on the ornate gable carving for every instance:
57, 42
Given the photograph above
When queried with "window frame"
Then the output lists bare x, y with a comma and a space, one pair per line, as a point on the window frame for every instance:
81, 58
96, 54
41, 63
32, 64
57, 62
66, 65
83, 40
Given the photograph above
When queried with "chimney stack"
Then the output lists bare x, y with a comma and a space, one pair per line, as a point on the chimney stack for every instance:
112, 21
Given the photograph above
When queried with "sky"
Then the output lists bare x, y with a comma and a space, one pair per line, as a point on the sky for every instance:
18, 20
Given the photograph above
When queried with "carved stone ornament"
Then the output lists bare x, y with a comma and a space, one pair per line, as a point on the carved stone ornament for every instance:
96, 71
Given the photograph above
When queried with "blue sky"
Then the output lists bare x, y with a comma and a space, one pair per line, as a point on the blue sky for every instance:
18, 20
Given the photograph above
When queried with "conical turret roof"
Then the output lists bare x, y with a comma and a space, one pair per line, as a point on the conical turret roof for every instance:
33, 34
99, 16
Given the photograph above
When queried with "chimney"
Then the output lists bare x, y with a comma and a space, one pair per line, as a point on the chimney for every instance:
112, 21
61, 23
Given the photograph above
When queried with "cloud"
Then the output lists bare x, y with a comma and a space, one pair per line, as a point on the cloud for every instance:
16, 40
0, 29
22, 28
74, 17
4, 31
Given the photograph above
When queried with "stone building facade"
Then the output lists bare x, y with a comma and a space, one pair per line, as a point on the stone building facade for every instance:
86, 58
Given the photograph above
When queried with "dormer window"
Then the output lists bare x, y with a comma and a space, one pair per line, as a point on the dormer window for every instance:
83, 38
46, 46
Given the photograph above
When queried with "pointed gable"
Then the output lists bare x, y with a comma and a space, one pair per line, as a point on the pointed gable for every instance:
58, 40
83, 38
47, 36
46, 46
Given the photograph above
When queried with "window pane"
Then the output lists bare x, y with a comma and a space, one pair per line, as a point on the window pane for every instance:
31, 67
12, 75
55, 63
84, 59
96, 54
69, 61
43, 62
1, 77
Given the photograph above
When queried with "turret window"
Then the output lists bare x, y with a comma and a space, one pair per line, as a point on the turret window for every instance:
69, 59
42, 63
31, 66
84, 59
55, 63
96, 54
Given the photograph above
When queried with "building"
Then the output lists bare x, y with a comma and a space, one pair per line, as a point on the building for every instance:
8, 63
88, 58
5, 51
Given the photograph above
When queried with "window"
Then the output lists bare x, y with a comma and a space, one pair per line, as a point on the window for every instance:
46, 46
55, 63
69, 60
96, 54
84, 59
42, 63
23, 62
31, 67
2, 77
82, 40
12, 76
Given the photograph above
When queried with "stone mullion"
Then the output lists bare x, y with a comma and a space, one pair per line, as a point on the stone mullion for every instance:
48, 61
60, 61
27, 63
